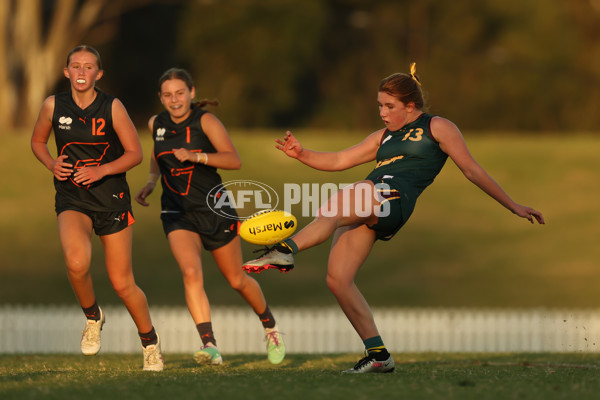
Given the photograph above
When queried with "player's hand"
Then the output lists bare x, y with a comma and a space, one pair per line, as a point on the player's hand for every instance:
144, 192
184, 155
62, 170
289, 145
529, 213
88, 175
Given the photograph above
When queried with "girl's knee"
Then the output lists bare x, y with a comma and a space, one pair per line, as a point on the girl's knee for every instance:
238, 282
192, 276
77, 268
124, 288
123, 283
337, 284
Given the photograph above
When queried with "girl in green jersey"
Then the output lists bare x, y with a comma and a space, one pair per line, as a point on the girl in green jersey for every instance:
410, 151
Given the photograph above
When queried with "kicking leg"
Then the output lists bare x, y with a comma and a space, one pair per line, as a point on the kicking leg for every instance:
353, 205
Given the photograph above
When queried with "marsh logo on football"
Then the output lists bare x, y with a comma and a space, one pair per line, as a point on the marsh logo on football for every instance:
240, 199
65, 123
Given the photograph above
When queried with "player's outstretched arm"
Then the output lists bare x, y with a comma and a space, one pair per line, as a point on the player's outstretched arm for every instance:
452, 143
360, 153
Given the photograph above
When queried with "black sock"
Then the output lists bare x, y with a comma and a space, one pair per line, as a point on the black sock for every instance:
206, 333
267, 319
149, 338
92, 312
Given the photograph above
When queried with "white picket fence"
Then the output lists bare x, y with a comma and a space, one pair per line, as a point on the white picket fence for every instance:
57, 329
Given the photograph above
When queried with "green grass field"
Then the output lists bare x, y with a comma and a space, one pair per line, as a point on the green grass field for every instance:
460, 247
418, 376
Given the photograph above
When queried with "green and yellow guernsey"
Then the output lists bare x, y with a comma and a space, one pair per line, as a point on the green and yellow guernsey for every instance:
408, 160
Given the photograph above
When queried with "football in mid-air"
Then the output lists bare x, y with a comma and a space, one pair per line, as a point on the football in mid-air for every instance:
268, 227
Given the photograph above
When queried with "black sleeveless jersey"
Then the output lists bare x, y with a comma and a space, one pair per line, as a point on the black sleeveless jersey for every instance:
408, 160
186, 185
87, 137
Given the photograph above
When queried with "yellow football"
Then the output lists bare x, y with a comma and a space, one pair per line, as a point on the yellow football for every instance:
268, 227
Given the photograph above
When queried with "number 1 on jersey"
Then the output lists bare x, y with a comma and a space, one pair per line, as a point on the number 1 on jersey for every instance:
98, 126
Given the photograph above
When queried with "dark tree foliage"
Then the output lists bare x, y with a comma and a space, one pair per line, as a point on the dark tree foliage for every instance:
530, 65
491, 65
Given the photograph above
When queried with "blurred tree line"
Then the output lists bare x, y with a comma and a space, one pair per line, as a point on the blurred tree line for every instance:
487, 65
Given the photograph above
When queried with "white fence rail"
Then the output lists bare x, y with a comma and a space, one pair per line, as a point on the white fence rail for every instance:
57, 329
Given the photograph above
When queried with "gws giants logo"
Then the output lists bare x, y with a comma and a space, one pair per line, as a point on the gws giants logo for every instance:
241, 198
65, 123
160, 134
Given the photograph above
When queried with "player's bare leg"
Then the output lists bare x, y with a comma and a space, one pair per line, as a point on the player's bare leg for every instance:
117, 254
349, 250
353, 205
186, 247
75, 231
229, 259
350, 247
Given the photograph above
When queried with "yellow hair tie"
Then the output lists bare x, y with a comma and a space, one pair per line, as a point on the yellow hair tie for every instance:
413, 73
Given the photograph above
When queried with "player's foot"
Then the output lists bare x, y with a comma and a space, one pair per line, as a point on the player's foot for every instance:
275, 345
208, 355
153, 359
374, 362
276, 257
90, 337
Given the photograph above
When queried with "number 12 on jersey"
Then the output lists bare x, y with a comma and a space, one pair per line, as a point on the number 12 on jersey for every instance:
98, 126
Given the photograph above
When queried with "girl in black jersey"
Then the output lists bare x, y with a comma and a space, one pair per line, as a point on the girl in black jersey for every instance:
410, 151
189, 145
96, 144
